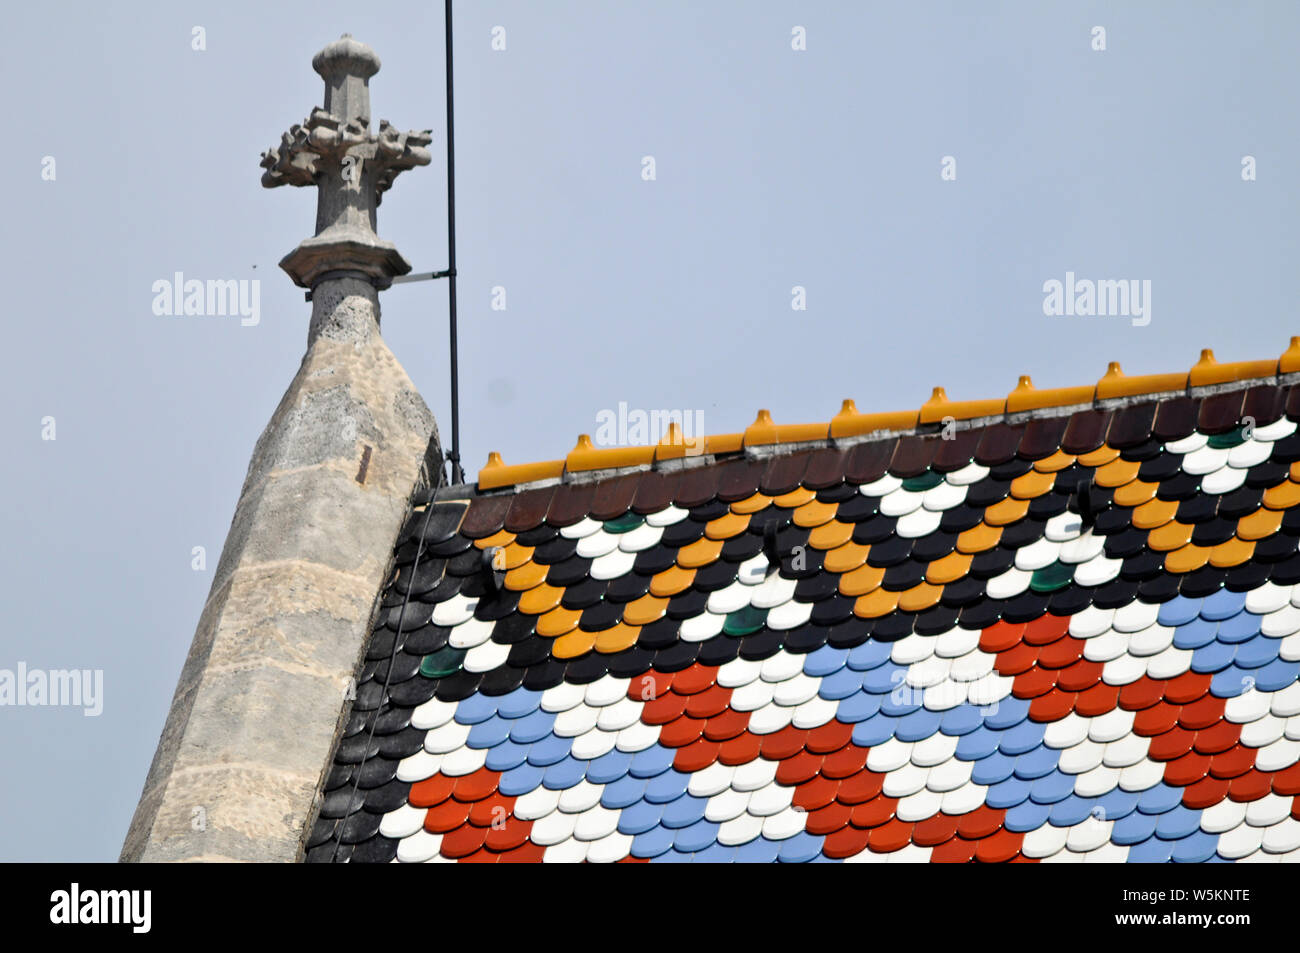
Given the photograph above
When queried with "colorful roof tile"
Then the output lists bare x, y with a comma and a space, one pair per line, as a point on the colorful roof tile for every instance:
1068, 635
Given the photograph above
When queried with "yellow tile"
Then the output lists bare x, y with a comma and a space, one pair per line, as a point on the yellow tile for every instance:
540, 599
522, 578
845, 558
1116, 384
1028, 397
671, 581
920, 597
875, 604
617, 639
1154, 513
949, 569
1209, 371
1032, 485
751, 504
860, 581
849, 423
1135, 493
499, 538
814, 513
496, 473
1187, 558
699, 553
1234, 552
1117, 472
586, 456
573, 644
939, 406
795, 498
558, 621
979, 539
1259, 524
1294, 472
1057, 461
1169, 537
1099, 457
1283, 496
726, 526
513, 556
1289, 362
645, 610
1005, 512
830, 535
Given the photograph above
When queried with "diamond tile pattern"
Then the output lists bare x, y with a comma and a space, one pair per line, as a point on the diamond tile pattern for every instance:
1071, 639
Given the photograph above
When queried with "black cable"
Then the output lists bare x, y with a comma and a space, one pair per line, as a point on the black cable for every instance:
457, 475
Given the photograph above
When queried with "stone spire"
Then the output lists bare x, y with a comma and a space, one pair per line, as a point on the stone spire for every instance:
263, 694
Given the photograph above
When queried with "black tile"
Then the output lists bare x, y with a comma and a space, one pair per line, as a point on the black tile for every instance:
529, 652
1128, 542
987, 492
376, 772
628, 587
501, 680
654, 560
676, 657
1159, 588
537, 535
718, 651
741, 547
1011, 469
361, 826
959, 518
1026, 607
890, 551
963, 592
601, 616
895, 626
1021, 533
980, 615
818, 587
707, 512
630, 663
849, 634
761, 645
377, 850
839, 493
935, 620
1182, 486
1116, 593
571, 571
932, 546
587, 669
1247, 576
875, 530
1070, 600
413, 692
903, 576
682, 533
1197, 509
809, 637
1160, 468
1043, 508
402, 744
716, 575
1143, 565
1203, 582
427, 639
1213, 532
688, 604
555, 551
992, 562
832, 611
1267, 474
1275, 548
1149, 449
659, 634
584, 593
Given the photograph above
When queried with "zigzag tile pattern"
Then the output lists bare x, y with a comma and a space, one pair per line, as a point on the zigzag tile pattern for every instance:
1073, 639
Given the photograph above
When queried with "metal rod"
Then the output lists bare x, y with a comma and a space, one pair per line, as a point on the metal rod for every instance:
457, 475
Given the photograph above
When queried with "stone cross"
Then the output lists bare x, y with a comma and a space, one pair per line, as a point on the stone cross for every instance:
351, 167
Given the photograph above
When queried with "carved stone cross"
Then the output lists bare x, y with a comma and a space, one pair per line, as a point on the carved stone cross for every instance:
351, 167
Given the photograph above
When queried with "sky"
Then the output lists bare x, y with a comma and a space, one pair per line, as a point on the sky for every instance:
827, 169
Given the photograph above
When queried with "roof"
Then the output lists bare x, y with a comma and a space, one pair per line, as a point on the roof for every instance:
1060, 632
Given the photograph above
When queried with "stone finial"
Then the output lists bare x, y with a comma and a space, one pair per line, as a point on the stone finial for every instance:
335, 150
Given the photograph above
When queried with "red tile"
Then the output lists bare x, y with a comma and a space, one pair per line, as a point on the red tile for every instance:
1082, 676
712, 701
849, 760
860, 788
1187, 769
1059, 654
741, 749
681, 731
508, 836
798, 769
695, 679
935, 830
696, 756
727, 725
873, 813
1035, 682
476, 785
1001, 636
1047, 629
1201, 713
526, 853
431, 791
828, 819
1171, 744
890, 836
651, 685
1053, 706
1217, 738
667, 707
1234, 762
956, 851
1141, 694
981, 822
1187, 688
815, 793
1017, 659
845, 842
1287, 781
1097, 700
494, 808
829, 737
1156, 720
480, 856
1252, 785
999, 848
449, 815
463, 841
783, 744
1204, 793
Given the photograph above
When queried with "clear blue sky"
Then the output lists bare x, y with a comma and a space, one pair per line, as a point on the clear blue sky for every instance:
775, 168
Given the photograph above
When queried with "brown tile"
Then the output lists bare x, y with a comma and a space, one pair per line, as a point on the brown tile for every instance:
956, 453
1086, 431
738, 479
614, 497
696, 486
1131, 425
1293, 402
570, 504
1176, 418
1220, 413
655, 491
825, 469
912, 456
1264, 404
999, 444
1042, 438
784, 473
528, 509
486, 516
868, 461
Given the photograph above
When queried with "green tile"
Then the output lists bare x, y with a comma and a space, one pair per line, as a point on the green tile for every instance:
926, 481
624, 524
1051, 578
745, 621
1226, 441
445, 661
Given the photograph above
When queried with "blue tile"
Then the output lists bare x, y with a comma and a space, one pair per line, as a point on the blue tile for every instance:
1007, 793
758, 851
667, 786
476, 708
1073, 810
1118, 803
979, 744
1179, 823
1023, 737
902, 701
652, 761
996, 767
1238, 628
1211, 658
549, 750
1153, 850
919, 725
519, 781
489, 733
800, 849
1034, 764
715, 853
518, 703
876, 730
505, 756
696, 837
1234, 681
533, 727
826, 661
683, 811
1276, 676
639, 818
884, 679
1256, 652
1133, 829
1196, 848
623, 793
857, 708
1194, 634
564, 774
870, 654
1159, 799
671, 857
962, 720
1026, 816
1222, 605
1053, 787
653, 843
823, 859
842, 683
609, 767
1178, 610
1010, 712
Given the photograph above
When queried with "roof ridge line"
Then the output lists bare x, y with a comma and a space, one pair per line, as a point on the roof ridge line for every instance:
764, 437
